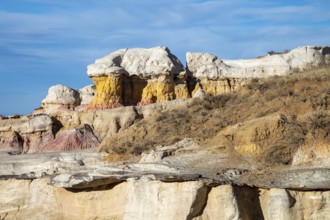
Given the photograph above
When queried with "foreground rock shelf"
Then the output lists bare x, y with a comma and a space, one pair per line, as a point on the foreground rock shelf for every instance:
81, 185
83, 170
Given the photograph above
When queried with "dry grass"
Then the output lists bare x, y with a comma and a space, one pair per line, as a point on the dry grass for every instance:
279, 113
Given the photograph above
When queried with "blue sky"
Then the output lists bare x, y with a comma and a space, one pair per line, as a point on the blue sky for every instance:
48, 42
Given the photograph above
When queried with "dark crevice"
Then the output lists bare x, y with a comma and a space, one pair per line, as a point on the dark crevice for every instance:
99, 187
57, 125
200, 202
248, 202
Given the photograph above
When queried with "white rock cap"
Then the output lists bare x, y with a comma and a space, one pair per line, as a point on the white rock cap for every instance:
205, 65
142, 62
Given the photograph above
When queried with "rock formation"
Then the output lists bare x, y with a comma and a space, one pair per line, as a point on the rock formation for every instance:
81, 185
137, 77
22, 135
205, 65
40, 134
133, 77
74, 139
142, 76
216, 76
59, 96
68, 130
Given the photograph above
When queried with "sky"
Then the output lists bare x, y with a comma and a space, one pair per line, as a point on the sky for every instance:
49, 42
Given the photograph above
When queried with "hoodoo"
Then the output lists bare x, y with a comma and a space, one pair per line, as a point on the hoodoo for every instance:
137, 77
141, 76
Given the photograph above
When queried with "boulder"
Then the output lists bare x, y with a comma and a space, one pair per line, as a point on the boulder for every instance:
14, 144
86, 94
161, 152
37, 123
199, 93
74, 139
205, 65
61, 96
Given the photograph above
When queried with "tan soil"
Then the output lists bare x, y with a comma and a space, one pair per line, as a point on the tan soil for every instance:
266, 121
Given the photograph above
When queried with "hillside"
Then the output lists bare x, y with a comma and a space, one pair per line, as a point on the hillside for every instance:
270, 120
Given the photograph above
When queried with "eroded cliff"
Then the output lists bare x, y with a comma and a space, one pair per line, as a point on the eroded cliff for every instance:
147, 199
81, 185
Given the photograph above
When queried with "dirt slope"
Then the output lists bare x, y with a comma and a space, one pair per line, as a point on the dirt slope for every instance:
268, 121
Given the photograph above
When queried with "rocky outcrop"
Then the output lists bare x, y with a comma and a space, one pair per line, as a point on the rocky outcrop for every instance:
216, 76
68, 130
61, 98
137, 77
140, 76
204, 65
40, 133
24, 134
81, 185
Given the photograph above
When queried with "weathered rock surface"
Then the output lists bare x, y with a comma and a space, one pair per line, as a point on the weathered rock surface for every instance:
40, 133
61, 96
80, 185
74, 139
160, 152
36, 199
83, 169
24, 134
148, 199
